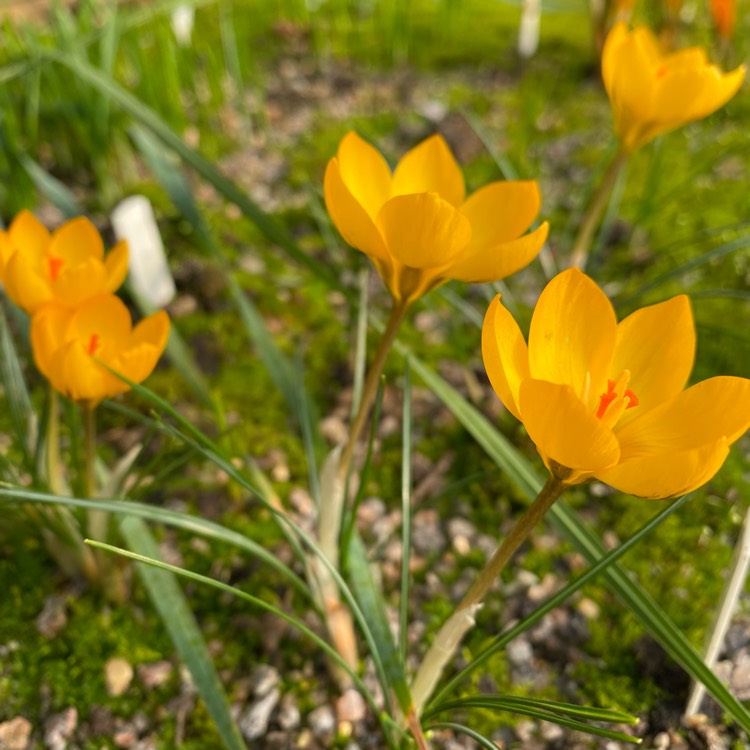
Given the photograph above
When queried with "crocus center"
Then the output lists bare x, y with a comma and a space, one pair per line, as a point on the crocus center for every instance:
616, 399
93, 344
55, 266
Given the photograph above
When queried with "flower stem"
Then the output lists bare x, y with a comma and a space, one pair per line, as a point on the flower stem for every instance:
372, 383
98, 519
332, 503
455, 627
582, 245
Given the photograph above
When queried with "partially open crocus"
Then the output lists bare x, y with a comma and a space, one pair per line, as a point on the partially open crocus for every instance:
66, 266
416, 224
652, 92
724, 16
606, 400
69, 346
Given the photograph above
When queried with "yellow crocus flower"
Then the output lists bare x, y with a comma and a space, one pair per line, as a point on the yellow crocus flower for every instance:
416, 224
66, 266
69, 344
606, 400
652, 92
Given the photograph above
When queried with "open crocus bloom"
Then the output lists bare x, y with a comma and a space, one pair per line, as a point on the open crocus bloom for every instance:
416, 225
652, 92
69, 345
606, 400
67, 266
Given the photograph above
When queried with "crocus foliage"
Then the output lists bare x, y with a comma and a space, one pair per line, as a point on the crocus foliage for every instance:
66, 266
653, 92
69, 346
416, 223
606, 400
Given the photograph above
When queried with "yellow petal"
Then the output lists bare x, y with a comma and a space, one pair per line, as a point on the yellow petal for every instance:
48, 334
430, 168
116, 266
7, 248
494, 263
423, 231
350, 217
500, 212
715, 409
138, 363
28, 234
103, 324
78, 282
564, 429
505, 355
572, 335
668, 474
24, 284
153, 330
657, 345
83, 378
76, 241
365, 173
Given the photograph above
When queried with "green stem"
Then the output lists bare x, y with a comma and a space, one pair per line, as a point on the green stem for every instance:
372, 383
582, 245
455, 627
54, 467
98, 519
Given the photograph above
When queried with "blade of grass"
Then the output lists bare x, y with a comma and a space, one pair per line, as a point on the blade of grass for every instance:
500, 641
170, 603
149, 119
406, 459
483, 741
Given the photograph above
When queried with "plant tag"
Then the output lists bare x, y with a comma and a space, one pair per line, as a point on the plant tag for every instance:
133, 220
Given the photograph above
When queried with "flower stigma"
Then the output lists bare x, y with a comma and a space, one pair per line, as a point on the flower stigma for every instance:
612, 405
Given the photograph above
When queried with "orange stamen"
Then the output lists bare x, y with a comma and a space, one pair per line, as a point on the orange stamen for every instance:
632, 399
606, 399
93, 344
55, 266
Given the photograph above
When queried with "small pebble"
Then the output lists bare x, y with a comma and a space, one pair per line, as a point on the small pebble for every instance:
118, 674
52, 619
288, 715
15, 734
264, 679
253, 723
322, 721
59, 728
155, 674
351, 707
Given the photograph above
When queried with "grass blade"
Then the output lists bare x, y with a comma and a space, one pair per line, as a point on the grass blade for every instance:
179, 621
403, 615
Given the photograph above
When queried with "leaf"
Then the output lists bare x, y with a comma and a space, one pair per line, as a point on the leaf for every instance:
179, 621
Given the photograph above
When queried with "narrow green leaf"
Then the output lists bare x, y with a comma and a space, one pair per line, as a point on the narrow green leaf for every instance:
170, 603
149, 119
500, 641
373, 607
50, 187
403, 616
485, 742
155, 562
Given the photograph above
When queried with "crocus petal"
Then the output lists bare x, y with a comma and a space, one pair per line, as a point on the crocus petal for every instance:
572, 335
365, 173
430, 168
153, 330
24, 284
423, 231
48, 334
564, 429
500, 212
116, 266
505, 355
715, 409
83, 378
350, 217
29, 234
495, 263
76, 241
103, 323
656, 345
76, 283
667, 474
138, 363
